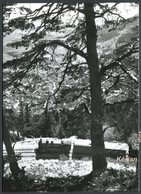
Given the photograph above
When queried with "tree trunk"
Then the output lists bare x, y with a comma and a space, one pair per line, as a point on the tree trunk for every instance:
98, 150
11, 155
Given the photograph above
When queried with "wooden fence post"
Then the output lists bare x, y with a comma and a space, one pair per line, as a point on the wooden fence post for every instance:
71, 150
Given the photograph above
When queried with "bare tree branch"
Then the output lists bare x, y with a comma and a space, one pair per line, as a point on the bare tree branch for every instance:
60, 84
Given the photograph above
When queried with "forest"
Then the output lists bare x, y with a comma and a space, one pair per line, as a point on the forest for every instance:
70, 70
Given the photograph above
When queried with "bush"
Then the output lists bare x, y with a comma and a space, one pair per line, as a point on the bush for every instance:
63, 157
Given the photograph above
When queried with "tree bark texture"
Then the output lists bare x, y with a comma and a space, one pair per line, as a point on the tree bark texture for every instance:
11, 155
98, 150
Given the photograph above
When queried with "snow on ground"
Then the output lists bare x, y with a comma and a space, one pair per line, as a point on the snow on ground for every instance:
53, 168
32, 143
41, 169
121, 166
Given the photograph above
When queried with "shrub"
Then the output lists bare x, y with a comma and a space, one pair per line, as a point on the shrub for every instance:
63, 157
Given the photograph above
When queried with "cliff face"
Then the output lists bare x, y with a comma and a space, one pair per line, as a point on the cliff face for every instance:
111, 36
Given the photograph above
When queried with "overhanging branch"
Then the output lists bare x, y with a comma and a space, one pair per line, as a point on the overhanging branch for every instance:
60, 43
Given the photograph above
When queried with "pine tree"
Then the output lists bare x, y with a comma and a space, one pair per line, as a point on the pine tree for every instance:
80, 50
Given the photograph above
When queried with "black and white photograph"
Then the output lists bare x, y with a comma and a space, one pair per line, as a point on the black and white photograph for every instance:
70, 97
